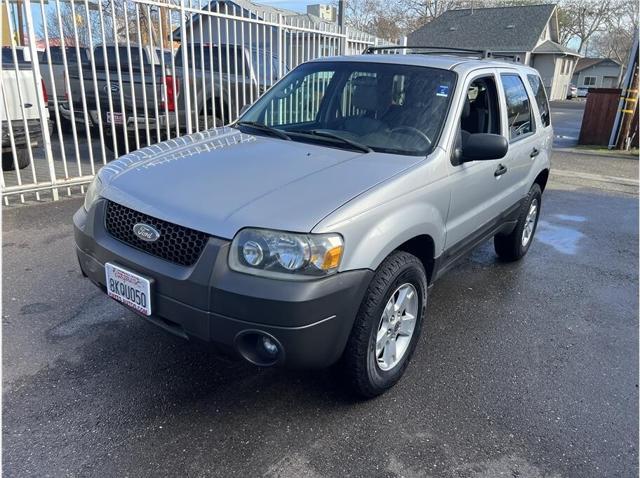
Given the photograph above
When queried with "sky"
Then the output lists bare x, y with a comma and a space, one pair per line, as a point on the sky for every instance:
295, 5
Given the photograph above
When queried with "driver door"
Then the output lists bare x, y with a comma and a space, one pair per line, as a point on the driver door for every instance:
478, 192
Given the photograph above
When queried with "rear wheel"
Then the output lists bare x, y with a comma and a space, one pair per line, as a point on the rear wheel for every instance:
513, 246
22, 159
387, 327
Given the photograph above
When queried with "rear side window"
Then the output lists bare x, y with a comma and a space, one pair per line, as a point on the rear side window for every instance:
71, 53
518, 107
541, 98
124, 54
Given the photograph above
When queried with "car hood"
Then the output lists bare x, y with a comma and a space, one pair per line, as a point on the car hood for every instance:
222, 180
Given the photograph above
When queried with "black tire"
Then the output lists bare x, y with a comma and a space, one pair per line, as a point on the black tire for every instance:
22, 159
510, 247
119, 140
359, 362
65, 126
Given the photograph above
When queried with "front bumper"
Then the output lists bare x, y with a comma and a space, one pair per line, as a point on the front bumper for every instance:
311, 320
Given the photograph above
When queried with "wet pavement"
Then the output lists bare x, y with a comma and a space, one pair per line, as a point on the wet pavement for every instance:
527, 369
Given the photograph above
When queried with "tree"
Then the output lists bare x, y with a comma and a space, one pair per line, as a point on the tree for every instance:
616, 38
76, 24
580, 20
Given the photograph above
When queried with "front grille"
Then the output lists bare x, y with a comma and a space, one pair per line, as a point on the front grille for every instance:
176, 243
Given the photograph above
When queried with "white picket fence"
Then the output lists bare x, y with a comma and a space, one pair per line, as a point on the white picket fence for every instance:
123, 74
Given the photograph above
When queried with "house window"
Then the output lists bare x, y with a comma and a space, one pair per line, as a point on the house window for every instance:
518, 106
589, 81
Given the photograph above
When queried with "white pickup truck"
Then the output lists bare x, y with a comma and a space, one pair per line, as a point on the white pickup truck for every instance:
19, 106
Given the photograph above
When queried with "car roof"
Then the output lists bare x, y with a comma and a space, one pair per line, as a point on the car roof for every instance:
458, 63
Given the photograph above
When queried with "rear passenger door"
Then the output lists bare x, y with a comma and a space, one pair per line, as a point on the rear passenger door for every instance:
520, 129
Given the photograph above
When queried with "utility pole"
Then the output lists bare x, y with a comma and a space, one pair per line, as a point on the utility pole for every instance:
341, 7
621, 134
20, 26
630, 109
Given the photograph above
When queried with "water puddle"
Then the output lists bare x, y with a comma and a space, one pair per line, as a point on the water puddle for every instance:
562, 238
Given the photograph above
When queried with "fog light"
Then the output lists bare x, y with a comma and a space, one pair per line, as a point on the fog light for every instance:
269, 346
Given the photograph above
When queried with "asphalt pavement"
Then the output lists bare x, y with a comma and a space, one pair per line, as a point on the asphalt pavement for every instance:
523, 370
566, 118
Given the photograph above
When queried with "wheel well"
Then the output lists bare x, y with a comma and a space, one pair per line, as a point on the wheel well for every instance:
542, 178
423, 248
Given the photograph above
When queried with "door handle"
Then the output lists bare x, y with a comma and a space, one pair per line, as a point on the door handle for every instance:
534, 152
500, 171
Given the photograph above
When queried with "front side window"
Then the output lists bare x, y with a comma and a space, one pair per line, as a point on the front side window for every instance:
388, 108
541, 98
518, 106
481, 113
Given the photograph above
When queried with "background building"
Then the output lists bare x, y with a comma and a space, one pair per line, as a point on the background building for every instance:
530, 33
597, 73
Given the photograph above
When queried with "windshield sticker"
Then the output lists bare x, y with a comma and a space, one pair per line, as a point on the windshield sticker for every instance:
443, 90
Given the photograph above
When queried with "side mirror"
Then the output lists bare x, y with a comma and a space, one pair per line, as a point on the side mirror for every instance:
484, 147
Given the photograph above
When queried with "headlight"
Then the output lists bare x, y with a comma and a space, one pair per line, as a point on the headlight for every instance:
285, 255
93, 193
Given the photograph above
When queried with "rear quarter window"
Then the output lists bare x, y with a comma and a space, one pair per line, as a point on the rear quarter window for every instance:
541, 98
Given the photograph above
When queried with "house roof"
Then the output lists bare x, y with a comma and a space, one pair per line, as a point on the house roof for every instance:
584, 63
549, 46
501, 28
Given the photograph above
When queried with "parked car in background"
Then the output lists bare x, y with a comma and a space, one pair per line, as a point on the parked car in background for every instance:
56, 54
583, 91
20, 97
308, 232
109, 87
220, 85
223, 79
266, 67
164, 53
572, 92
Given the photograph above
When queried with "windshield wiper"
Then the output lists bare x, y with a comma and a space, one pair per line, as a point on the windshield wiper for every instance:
326, 134
267, 129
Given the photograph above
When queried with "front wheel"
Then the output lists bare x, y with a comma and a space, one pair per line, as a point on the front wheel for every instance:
387, 327
513, 246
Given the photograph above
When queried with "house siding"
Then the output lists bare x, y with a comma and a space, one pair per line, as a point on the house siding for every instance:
600, 72
555, 72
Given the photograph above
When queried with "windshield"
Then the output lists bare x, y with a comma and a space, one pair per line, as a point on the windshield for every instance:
383, 107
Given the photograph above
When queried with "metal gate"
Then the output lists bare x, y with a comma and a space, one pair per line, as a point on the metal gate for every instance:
84, 82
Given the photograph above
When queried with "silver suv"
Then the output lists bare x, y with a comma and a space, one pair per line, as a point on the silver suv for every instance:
309, 231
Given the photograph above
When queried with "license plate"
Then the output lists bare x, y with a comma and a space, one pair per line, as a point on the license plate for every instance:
115, 118
129, 288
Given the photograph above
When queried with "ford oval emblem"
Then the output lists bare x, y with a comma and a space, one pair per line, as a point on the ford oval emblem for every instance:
146, 232
115, 88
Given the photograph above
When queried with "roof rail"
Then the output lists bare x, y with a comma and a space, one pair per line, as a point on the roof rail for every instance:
431, 50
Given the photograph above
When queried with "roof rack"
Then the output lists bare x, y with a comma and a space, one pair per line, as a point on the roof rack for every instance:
431, 50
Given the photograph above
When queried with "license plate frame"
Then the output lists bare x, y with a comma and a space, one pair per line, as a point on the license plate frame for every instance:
115, 118
128, 288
